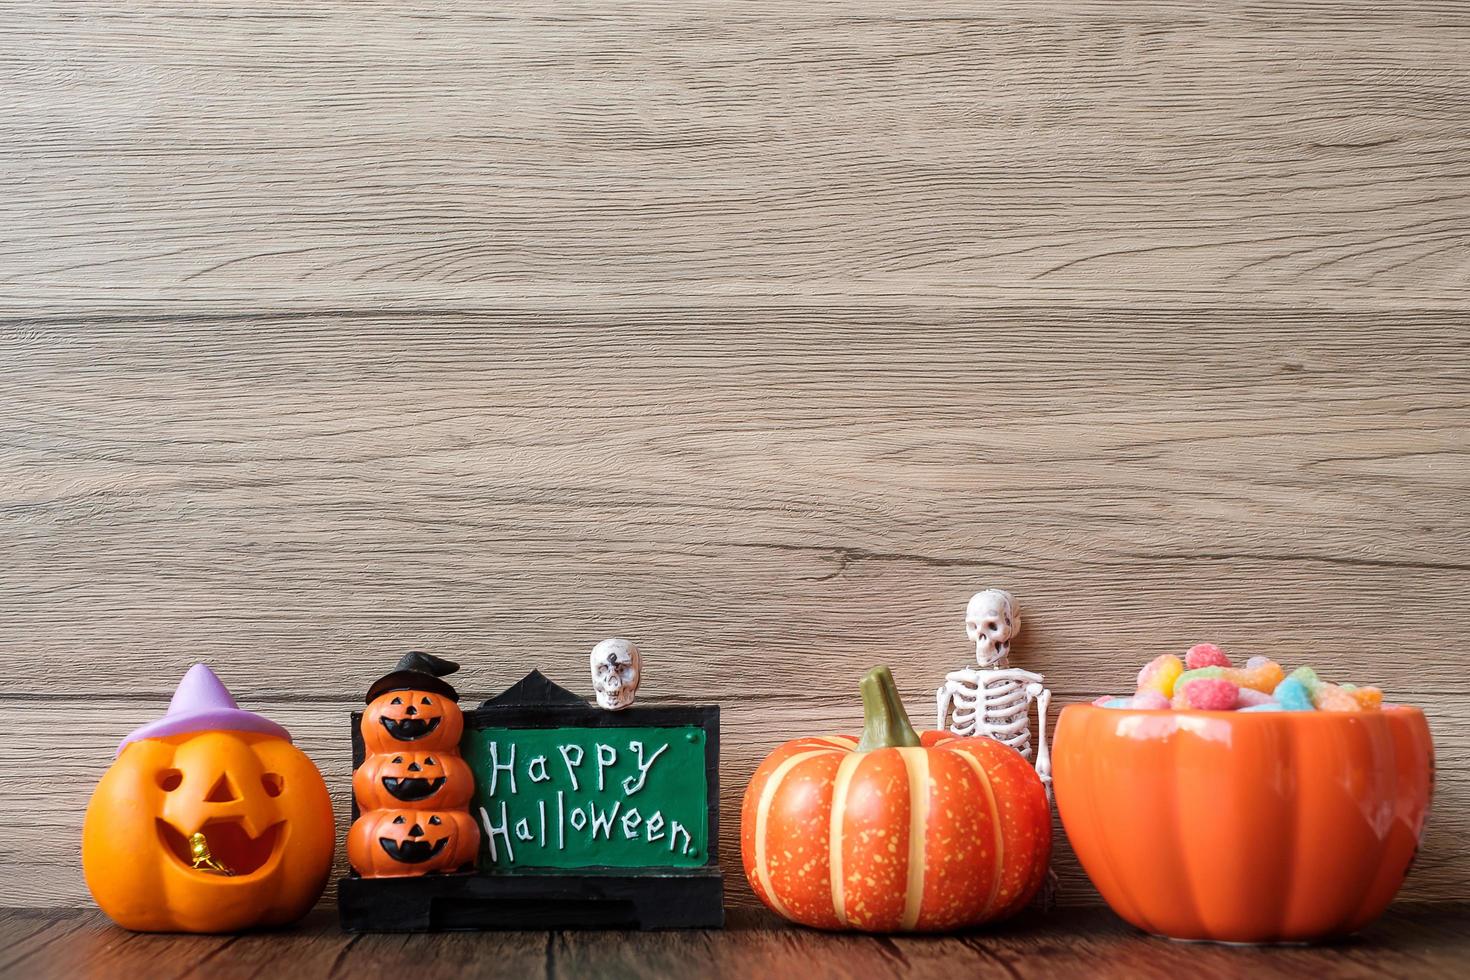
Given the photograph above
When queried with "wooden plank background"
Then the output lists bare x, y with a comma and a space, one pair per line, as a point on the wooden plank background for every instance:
762, 333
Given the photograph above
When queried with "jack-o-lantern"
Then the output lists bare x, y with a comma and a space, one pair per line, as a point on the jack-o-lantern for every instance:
403, 843
210, 820
411, 719
419, 780
413, 707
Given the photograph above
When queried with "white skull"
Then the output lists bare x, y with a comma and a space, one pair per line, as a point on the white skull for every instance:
616, 665
992, 621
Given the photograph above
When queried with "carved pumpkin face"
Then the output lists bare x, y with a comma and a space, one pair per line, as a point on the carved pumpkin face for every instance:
208, 832
418, 720
421, 780
403, 843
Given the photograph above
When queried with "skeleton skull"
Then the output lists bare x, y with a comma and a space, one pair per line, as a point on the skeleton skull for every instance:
992, 621
616, 665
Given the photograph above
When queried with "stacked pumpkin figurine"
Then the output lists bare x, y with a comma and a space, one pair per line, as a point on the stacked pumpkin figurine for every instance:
412, 788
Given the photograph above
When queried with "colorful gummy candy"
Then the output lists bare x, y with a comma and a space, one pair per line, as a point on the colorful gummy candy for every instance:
1293, 695
1330, 697
1160, 673
1212, 694
1205, 655
1205, 680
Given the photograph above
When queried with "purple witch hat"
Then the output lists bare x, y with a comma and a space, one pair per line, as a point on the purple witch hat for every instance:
202, 704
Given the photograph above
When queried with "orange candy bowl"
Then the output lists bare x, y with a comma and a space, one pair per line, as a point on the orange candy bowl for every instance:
1253, 827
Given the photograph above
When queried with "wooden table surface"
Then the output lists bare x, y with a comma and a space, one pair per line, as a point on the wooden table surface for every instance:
1411, 941
763, 333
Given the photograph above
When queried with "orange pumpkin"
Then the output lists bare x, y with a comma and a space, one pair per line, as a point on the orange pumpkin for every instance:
419, 720
417, 780
264, 813
403, 843
889, 833
1244, 826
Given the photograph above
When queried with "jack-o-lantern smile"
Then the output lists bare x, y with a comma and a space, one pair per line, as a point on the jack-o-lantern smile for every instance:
413, 847
227, 847
409, 729
413, 777
411, 789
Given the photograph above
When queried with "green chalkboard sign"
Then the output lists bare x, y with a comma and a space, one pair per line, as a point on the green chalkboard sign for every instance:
624, 797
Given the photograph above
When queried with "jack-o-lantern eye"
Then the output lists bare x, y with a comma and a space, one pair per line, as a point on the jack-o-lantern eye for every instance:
396, 701
429, 761
435, 821
273, 783
398, 760
426, 701
398, 820
170, 780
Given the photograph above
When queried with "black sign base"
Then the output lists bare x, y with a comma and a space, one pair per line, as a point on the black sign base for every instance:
675, 899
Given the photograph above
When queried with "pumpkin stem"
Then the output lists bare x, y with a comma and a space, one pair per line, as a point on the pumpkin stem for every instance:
885, 723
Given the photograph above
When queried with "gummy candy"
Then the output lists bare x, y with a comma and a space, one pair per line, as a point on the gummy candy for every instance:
1249, 697
1211, 694
1150, 700
1330, 697
1205, 655
1160, 673
1204, 680
1263, 677
1308, 678
1368, 698
1200, 673
1293, 695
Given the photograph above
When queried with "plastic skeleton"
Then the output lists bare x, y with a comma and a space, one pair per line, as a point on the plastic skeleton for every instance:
995, 701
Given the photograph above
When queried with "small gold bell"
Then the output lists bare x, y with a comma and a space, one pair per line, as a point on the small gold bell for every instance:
202, 859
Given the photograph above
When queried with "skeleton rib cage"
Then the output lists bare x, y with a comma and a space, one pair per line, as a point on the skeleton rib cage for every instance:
990, 707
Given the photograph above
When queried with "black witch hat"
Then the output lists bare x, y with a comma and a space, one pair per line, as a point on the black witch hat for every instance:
417, 671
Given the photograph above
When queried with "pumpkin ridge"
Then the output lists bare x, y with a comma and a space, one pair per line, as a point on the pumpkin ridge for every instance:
916, 765
841, 783
995, 829
835, 741
762, 820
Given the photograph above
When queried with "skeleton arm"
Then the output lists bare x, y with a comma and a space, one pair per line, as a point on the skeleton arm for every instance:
1043, 754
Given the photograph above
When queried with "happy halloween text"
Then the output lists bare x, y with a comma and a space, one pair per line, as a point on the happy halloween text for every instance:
572, 812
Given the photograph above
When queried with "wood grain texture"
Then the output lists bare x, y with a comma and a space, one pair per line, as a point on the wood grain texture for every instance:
1412, 940
253, 153
762, 334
